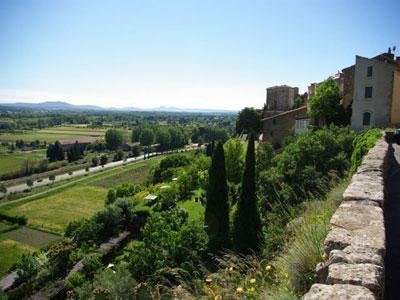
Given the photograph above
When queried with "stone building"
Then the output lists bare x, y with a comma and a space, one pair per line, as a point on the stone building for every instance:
276, 128
376, 92
281, 98
83, 142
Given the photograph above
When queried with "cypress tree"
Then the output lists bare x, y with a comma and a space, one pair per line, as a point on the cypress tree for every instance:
247, 232
217, 207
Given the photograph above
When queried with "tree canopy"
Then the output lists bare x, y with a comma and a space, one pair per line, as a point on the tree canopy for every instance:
326, 105
248, 121
114, 139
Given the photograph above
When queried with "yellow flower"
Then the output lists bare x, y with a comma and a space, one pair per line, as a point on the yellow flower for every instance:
230, 269
253, 280
251, 290
239, 290
218, 297
268, 268
208, 280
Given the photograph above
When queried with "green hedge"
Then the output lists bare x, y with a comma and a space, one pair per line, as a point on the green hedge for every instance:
362, 143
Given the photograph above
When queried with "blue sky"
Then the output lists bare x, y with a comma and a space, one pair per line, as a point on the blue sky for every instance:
189, 54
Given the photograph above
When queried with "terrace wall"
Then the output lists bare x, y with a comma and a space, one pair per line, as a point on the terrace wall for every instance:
355, 245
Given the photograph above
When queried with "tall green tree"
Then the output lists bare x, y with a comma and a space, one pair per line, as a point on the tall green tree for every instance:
234, 159
147, 137
164, 139
114, 139
248, 121
247, 231
217, 207
326, 105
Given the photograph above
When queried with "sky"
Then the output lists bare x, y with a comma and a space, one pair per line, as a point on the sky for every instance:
213, 54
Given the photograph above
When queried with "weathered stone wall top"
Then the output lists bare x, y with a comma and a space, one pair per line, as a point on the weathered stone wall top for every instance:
355, 244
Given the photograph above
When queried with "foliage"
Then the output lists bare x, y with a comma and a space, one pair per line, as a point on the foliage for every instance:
147, 137
306, 165
111, 196
91, 264
29, 182
127, 190
27, 267
74, 281
119, 155
75, 152
83, 231
362, 143
208, 134
326, 104
248, 121
217, 208
247, 234
264, 155
234, 159
55, 152
58, 257
95, 161
114, 139
168, 242
103, 159
169, 162
109, 284
109, 219
295, 267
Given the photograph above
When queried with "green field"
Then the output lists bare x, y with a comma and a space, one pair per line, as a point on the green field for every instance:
78, 199
10, 162
195, 210
22, 240
53, 134
54, 212
56, 133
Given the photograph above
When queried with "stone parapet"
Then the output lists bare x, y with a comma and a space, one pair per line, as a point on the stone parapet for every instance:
356, 245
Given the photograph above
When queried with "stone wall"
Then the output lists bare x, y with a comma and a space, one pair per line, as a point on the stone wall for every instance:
355, 245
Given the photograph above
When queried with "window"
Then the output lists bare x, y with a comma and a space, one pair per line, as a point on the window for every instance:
366, 119
368, 92
274, 121
369, 71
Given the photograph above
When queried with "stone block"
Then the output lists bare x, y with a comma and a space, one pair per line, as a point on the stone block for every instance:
358, 190
367, 275
338, 292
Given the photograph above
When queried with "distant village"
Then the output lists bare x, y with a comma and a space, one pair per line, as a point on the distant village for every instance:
370, 90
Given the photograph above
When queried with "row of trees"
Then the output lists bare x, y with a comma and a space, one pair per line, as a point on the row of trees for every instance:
167, 137
246, 232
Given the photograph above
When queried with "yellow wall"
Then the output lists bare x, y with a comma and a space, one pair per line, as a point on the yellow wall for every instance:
395, 114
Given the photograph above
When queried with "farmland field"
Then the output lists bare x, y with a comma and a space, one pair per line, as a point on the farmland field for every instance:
53, 211
53, 134
22, 240
10, 162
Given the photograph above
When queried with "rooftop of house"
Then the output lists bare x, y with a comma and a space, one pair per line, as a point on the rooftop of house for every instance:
285, 113
81, 140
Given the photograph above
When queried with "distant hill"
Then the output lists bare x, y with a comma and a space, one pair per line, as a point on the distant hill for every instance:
64, 106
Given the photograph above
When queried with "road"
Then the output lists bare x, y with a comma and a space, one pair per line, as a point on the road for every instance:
392, 224
81, 172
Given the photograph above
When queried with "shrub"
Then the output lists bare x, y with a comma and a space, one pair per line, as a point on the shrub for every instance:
119, 155
91, 264
362, 143
29, 182
74, 281
103, 159
95, 161
27, 267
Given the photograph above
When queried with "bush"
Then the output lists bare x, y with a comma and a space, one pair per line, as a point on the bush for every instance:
362, 143
95, 161
91, 264
29, 182
20, 220
74, 281
103, 159
119, 156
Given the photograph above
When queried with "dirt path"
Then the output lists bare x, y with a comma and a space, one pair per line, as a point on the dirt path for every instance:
392, 223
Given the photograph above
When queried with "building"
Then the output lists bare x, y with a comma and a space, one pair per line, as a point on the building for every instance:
83, 142
276, 128
281, 98
376, 92
128, 146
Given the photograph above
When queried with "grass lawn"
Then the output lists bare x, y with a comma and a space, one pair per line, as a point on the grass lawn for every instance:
22, 240
195, 210
31, 237
133, 173
11, 162
55, 211
10, 252
53, 134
